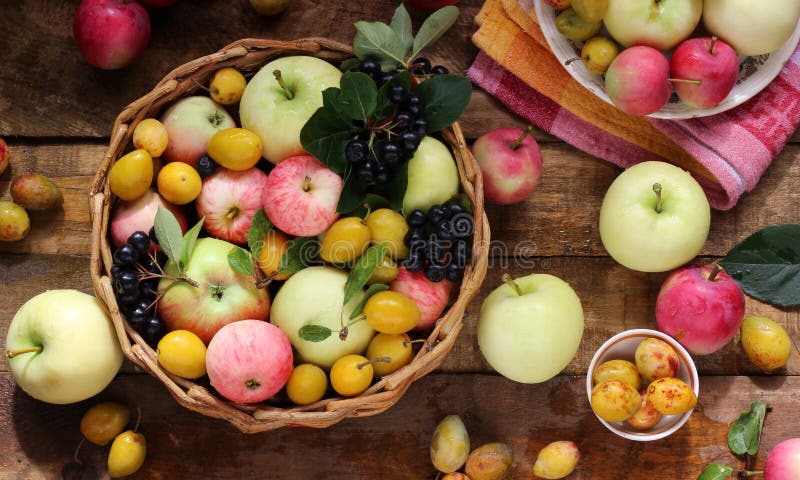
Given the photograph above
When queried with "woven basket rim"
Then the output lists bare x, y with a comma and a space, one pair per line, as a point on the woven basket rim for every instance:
249, 54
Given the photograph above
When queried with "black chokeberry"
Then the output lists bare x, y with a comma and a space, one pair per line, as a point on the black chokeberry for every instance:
397, 93
414, 262
410, 141
439, 70
386, 77
420, 126
462, 225
420, 66
154, 329
435, 251
414, 238
365, 175
127, 282
126, 255
454, 272
460, 252
390, 154
205, 165
128, 300
455, 208
140, 241
356, 151
412, 100
435, 273
382, 175
152, 235
137, 318
402, 121
369, 66
436, 214
416, 218
414, 109
443, 232
115, 271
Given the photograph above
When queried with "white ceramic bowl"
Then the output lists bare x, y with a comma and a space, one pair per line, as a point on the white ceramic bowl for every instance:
622, 346
755, 73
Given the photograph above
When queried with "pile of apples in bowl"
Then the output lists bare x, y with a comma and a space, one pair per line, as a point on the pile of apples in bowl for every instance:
268, 239
671, 59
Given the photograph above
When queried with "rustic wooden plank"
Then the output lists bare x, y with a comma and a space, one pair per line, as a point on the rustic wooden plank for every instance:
41, 438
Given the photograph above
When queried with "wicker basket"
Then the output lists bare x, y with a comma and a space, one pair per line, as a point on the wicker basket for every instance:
248, 56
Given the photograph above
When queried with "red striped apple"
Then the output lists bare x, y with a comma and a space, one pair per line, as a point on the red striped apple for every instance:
228, 201
139, 215
511, 164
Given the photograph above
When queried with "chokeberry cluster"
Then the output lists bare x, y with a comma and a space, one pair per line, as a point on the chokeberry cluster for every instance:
440, 241
134, 289
421, 66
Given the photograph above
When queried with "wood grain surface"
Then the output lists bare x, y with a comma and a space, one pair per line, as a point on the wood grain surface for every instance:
56, 113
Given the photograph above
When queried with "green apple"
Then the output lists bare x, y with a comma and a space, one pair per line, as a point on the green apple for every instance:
277, 110
222, 295
62, 347
432, 176
269, 7
752, 27
314, 296
661, 24
530, 328
655, 217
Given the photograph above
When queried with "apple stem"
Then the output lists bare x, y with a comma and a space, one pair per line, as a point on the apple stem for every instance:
713, 44
659, 200
14, 353
252, 384
138, 419
518, 141
685, 80
232, 213
283, 85
712, 277
511, 283
307, 184
573, 59
374, 360
78, 449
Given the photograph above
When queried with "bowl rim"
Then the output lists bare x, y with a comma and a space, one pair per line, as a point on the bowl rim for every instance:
776, 60
686, 361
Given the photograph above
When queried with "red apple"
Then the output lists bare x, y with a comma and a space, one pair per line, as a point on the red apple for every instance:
157, 3
228, 201
430, 297
637, 81
221, 295
702, 307
111, 34
249, 361
710, 61
301, 196
511, 163
139, 215
190, 124
3, 156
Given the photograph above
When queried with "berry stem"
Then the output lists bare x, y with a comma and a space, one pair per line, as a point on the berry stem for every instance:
511, 283
14, 353
283, 85
659, 201
712, 277
518, 141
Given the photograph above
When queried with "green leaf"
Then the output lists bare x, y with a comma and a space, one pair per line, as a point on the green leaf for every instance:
326, 133
258, 229
240, 261
401, 25
385, 108
301, 252
359, 95
349, 64
363, 269
434, 27
396, 190
169, 235
744, 434
445, 98
371, 290
378, 41
352, 196
767, 265
314, 333
189, 239
715, 471
371, 200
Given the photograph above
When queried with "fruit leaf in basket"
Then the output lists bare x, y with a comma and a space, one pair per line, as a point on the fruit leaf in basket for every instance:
744, 434
371, 290
377, 40
401, 25
299, 255
397, 188
189, 239
385, 108
352, 196
327, 131
240, 261
767, 265
434, 27
258, 229
445, 98
168, 233
363, 269
359, 96
314, 333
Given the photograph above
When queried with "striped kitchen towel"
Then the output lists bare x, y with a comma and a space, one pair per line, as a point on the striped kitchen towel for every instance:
727, 153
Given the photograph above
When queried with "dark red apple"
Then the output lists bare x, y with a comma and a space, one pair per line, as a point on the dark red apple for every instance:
111, 34
710, 61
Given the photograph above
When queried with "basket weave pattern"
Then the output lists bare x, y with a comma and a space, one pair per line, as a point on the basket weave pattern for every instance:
248, 55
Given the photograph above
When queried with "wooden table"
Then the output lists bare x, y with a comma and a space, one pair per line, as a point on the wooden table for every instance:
56, 113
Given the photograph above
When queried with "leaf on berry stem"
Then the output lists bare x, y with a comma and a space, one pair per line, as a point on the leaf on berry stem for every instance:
359, 95
434, 27
363, 269
744, 435
371, 290
301, 252
378, 41
352, 196
314, 333
401, 25
189, 240
385, 108
169, 235
241, 262
715, 471
327, 132
349, 64
445, 98
258, 229
396, 190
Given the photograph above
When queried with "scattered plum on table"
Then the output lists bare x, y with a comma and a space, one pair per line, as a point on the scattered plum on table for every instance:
450, 444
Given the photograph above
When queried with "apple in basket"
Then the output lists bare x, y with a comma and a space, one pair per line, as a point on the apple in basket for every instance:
221, 295
709, 61
660, 24
280, 99
111, 34
228, 201
139, 215
190, 124
752, 27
